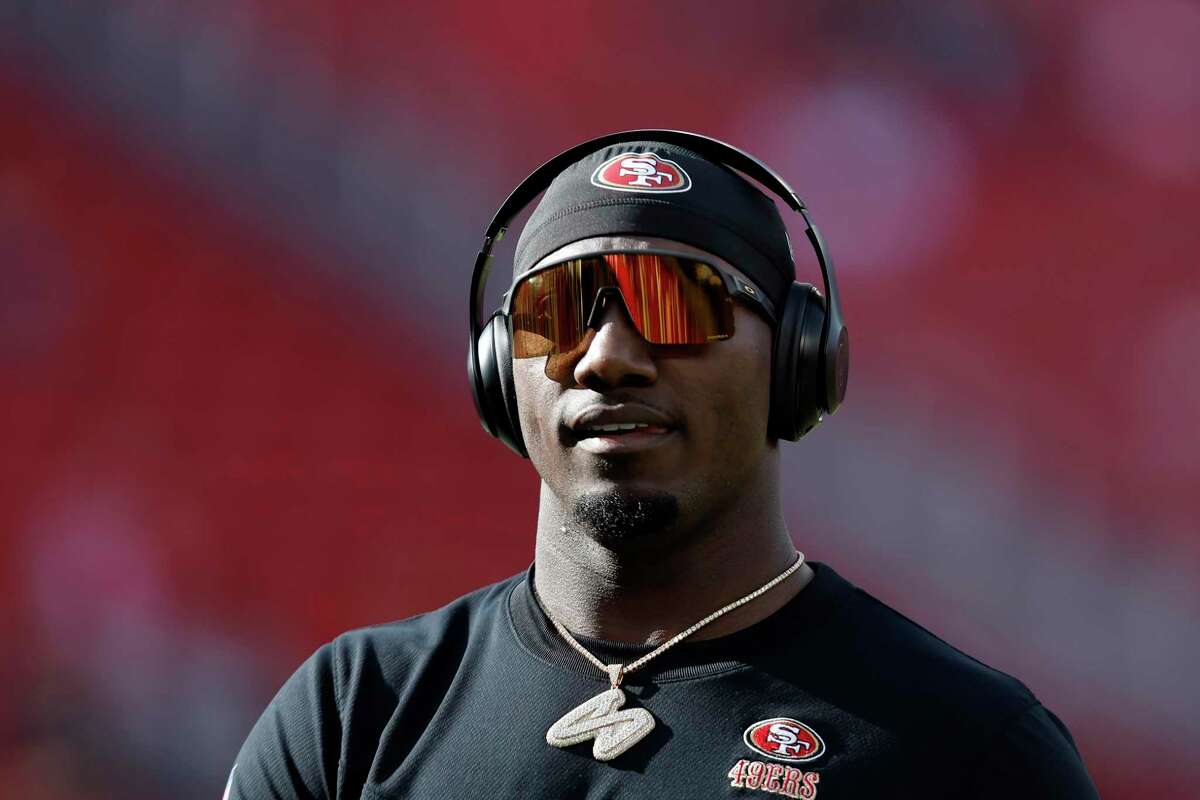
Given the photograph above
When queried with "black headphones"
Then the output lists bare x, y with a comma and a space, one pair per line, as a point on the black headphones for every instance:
810, 352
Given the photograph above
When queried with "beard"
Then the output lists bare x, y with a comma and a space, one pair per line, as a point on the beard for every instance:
616, 517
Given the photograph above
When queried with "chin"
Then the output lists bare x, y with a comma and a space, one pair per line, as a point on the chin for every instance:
621, 513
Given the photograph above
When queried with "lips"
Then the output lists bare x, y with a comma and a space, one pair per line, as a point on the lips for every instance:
619, 420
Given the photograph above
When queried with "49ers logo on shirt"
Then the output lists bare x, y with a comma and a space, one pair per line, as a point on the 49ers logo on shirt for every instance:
641, 172
785, 739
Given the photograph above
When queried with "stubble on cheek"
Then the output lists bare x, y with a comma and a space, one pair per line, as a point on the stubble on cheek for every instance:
541, 427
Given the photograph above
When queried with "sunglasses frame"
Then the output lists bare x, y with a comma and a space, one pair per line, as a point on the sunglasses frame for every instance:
734, 285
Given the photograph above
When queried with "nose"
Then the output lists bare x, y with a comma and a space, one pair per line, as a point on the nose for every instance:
617, 354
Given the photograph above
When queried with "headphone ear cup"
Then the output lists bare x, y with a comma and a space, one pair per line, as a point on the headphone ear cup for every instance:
796, 385
496, 395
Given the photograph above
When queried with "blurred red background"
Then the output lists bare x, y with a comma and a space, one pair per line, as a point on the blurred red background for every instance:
235, 244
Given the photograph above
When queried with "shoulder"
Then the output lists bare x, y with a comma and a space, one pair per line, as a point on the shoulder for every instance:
1035, 754
933, 696
906, 671
389, 651
888, 669
307, 743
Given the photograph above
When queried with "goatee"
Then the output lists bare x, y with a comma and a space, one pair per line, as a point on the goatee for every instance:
613, 517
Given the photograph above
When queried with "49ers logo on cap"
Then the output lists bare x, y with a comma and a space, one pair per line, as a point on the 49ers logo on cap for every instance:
641, 172
785, 739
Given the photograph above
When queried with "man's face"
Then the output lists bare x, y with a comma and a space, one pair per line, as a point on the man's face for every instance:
708, 404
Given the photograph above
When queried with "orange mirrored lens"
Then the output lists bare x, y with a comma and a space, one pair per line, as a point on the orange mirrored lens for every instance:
672, 301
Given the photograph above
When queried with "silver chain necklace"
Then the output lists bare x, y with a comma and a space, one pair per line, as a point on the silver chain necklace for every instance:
598, 718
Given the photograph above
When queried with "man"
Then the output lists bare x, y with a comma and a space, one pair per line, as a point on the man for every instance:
669, 640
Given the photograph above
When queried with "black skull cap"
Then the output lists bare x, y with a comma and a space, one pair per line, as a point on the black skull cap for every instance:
666, 191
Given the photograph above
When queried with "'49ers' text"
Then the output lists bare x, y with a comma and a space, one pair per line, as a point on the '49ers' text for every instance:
774, 778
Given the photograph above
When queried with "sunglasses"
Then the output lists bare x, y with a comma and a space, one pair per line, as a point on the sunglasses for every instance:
672, 299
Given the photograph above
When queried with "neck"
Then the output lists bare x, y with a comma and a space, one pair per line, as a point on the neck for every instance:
646, 591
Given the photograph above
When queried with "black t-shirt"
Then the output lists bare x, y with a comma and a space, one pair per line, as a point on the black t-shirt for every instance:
835, 695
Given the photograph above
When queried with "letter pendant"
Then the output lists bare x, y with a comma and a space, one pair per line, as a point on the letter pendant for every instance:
598, 718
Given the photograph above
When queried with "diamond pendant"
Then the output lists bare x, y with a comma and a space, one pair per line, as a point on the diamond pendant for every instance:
598, 718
